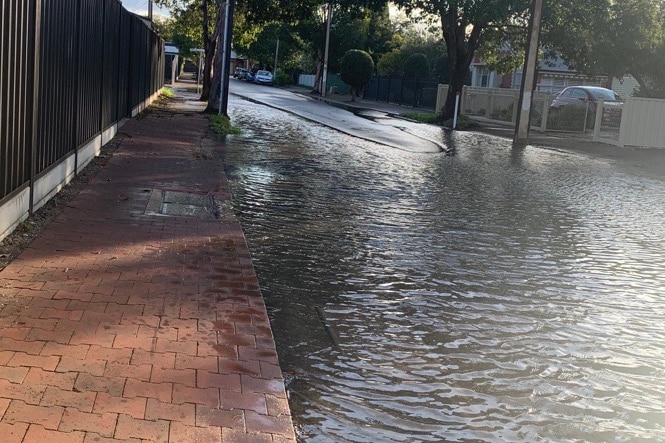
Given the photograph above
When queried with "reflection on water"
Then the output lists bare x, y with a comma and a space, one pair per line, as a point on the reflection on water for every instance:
487, 296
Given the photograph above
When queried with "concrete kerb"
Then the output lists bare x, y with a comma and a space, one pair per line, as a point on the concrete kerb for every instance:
340, 105
562, 142
390, 109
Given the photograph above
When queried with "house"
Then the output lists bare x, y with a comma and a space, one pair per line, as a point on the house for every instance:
625, 86
172, 69
238, 61
553, 76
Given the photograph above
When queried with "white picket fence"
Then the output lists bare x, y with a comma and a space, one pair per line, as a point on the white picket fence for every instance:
641, 122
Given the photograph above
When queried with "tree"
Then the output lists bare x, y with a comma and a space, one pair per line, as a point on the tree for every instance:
192, 18
356, 68
464, 24
261, 44
350, 26
618, 38
595, 37
408, 41
380, 31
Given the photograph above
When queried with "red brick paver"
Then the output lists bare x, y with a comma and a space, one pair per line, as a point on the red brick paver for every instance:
126, 322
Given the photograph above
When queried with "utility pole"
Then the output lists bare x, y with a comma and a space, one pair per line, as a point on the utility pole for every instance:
324, 80
528, 76
226, 63
274, 70
222, 90
150, 10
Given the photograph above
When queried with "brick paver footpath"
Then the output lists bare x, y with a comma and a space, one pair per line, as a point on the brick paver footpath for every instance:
137, 316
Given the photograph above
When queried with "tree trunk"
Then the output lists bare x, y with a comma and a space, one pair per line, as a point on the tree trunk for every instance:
208, 50
455, 86
220, 32
319, 72
461, 50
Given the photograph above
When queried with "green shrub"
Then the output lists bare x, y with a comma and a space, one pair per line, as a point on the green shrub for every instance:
463, 123
416, 65
420, 117
391, 63
167, 92
221, 124
505, 114
282, 78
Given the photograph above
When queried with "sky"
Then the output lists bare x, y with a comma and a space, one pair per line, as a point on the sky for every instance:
141, 7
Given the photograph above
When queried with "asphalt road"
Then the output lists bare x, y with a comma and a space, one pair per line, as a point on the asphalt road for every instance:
380, 128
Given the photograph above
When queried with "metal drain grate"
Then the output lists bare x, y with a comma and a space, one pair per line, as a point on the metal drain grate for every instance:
182, 203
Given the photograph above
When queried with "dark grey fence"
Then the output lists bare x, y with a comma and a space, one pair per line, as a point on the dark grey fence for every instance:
410, 91
69, 69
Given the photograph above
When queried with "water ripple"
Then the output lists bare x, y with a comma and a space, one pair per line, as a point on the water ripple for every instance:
487, 296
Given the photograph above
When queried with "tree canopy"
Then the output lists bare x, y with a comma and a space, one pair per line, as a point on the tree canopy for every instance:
616, 38
612, 37
465, 24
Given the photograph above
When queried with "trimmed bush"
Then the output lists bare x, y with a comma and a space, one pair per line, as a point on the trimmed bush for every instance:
416, 65
356, 69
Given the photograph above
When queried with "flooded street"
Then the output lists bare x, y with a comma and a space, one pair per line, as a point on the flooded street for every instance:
489, 295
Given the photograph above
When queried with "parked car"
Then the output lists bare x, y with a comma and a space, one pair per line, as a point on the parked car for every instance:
583, 96
250, 76
264, 77
240, 73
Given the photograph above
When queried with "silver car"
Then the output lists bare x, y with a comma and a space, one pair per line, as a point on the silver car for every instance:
264, 77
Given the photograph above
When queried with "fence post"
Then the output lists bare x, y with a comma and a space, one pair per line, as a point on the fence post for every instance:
415, 91
102, 95
130, 62
516, 100
546, 114
77, 86
599, 118
35, 103
390, 87
119, 70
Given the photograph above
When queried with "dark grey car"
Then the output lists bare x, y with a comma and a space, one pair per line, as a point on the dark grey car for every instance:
588, 97
583, 95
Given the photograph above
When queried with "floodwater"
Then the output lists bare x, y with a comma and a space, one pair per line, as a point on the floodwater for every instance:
489, 295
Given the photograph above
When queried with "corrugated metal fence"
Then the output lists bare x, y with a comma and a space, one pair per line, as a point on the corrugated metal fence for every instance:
408, 91
69, 70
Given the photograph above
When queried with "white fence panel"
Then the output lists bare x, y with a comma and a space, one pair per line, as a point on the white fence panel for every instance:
306, 80
441, 94
643, 123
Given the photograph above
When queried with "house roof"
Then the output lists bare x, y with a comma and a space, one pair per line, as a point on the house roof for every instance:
555, 65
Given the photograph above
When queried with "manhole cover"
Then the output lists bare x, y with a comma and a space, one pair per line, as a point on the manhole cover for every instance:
182, 203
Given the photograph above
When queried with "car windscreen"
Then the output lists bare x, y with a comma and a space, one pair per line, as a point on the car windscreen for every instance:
606, 94
263, 73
